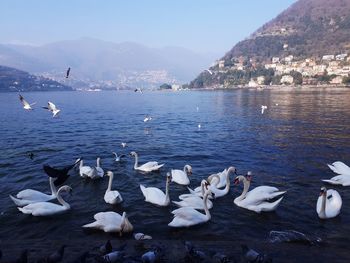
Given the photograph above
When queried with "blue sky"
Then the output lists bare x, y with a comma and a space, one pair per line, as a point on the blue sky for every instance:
201, 25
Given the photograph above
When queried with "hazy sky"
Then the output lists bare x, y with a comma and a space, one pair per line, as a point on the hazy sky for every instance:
202, 25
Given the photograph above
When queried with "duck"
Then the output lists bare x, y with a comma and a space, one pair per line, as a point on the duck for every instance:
30, 196
181, 176
329, 203
257, 199
47, 208
111, 222
156, 196
195, 201
189, 216
343, 171
112, 197
147, 167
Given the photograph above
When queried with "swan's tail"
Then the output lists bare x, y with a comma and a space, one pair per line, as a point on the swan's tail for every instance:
276, 194
191, 191
24, 210
184, 196
330, 181
17, 201
91, 225
178, 203
157, 167
267, 207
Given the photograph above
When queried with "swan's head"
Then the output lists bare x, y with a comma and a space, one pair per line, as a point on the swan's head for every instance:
109, 173
238, 179
323, 191
188, 169
66, 188
249, 176
232, 169
133, 154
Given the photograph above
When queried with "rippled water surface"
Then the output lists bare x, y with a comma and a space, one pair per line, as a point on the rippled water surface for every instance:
287, 147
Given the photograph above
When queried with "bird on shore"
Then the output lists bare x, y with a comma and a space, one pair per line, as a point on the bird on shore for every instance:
152, 256
250, 255
67, 73
52, 107
26, 105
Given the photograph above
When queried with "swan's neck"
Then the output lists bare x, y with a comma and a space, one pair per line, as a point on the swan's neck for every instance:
52, 187
167, 199
323, 206
98, 162
61, 201
227, 188
206, 210
109, 188
202, 189
246, 184
81, 164
136, 161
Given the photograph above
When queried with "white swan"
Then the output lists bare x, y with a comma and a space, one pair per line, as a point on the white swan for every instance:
25, 104
147, 167
195, 201
111, 222
112, 197
181, 177
52, 107
88, 171
220, 192
343, 177
256, 199
329, 203
156, 196
100, 171
47, 208
29, 196
192, 193
188, 216
212, 179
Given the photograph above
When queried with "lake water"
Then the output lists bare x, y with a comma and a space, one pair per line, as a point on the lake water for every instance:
287, 147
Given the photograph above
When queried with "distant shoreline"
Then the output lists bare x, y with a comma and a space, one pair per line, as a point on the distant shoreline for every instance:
277, 87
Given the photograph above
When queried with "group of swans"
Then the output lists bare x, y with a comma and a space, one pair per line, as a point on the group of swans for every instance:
91, 172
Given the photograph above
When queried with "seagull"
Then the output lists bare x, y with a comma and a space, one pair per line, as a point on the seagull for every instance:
52, 107
67, 74
123, 144
263, 108
147, 118
26, 105
118, 157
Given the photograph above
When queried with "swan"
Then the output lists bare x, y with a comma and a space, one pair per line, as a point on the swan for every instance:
220, 192
256, 199
100, 171
88, 171
181, 177
52, 107
188, 216
111, 222
118, 157
112, 197
212, 179
25, 104
192, 193
343, 171
47, 208
195, 201
29, 196
147, 167
340, 168
156, 196
329, 203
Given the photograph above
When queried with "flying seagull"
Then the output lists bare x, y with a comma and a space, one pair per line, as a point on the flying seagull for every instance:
52, 107
67, 75
118, 157
61, 174
147, 118
26, 105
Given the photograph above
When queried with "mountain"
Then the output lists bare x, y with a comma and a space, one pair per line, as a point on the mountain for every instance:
307, 29
12, 79
93, 60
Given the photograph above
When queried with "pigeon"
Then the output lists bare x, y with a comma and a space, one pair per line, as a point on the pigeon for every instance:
61, 174
221, 258
152, 256
250, 255
118, 157
106, 248
193, 255
141, 236
67, 74
26, 105
52, 107
56, 256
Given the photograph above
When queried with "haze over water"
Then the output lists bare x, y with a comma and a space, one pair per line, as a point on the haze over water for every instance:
287, 147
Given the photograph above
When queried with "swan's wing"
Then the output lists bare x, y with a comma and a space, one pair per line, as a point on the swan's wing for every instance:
179, 177
113, 197
51, 106
261, 194
107, 217
339, 180
340, 168
149, 165
334, 202
30, 194
154, 195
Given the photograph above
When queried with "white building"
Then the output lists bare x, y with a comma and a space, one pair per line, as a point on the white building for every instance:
287, 79
341, 56
328, 57
261, 80
275, 60
289, 58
